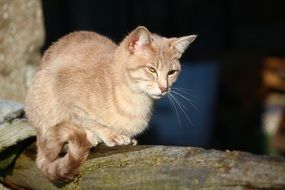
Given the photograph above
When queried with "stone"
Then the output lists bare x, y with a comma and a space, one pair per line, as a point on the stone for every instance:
8, 107
21, 36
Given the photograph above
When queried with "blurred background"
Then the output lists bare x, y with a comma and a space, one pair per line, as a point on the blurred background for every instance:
234, 73
224, 73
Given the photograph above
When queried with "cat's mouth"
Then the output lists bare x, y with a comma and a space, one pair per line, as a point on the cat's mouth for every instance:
157, 96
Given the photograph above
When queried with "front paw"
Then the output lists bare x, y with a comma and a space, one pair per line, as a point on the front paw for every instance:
116, 139
134, 142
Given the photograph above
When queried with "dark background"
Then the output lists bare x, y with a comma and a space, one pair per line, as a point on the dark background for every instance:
236, 34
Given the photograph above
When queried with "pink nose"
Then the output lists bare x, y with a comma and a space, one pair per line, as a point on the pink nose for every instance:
163, 89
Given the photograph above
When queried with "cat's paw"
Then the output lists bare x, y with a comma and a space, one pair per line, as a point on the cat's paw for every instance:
92, 138
134, 142
116, 139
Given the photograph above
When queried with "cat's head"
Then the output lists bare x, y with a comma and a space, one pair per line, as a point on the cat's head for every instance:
152, 62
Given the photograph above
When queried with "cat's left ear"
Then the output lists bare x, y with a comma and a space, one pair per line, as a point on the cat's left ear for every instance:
181, 44
139, 39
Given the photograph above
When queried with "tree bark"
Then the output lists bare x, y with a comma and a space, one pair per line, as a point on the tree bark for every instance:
158, 167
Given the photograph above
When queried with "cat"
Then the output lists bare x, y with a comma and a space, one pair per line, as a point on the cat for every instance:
89, 90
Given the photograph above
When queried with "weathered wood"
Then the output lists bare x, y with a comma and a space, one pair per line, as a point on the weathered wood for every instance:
140, 167
159, 167
14, 128
14, 131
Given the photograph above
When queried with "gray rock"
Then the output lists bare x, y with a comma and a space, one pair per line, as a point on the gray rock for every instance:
8, 107
21, 36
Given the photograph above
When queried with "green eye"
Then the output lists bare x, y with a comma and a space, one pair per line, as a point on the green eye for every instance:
151, 69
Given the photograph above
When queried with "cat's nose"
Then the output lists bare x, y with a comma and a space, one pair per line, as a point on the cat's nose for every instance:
163, 89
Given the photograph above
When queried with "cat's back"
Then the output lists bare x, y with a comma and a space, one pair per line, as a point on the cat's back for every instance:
79, 45
66, 67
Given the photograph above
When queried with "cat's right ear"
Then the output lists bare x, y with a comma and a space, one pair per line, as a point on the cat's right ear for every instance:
139, 39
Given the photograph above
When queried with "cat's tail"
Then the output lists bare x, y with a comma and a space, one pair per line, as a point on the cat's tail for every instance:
61, 151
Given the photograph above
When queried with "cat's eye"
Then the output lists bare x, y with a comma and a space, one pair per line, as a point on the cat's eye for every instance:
151, 69
171, 72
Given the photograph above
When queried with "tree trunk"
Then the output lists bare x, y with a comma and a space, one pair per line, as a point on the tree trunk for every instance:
158, 167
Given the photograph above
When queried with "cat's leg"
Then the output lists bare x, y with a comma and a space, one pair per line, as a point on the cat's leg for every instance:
109, 137
92, 137
98, 133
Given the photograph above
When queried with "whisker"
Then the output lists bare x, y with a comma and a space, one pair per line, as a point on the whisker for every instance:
176, 111
182, 107
182, 91
185, 108
187, 99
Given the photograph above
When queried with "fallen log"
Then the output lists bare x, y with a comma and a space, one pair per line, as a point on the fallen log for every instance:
138, 167
158, 167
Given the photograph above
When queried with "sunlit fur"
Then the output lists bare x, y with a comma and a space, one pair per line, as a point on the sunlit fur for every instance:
89, 90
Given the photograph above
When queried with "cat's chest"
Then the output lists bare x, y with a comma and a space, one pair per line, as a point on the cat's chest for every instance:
129, 117
126, 123
131, 127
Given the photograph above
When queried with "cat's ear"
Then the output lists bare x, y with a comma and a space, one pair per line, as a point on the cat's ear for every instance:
139, 39
181, 44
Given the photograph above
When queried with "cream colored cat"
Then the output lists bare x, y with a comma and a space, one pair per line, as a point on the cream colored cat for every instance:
90, 90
